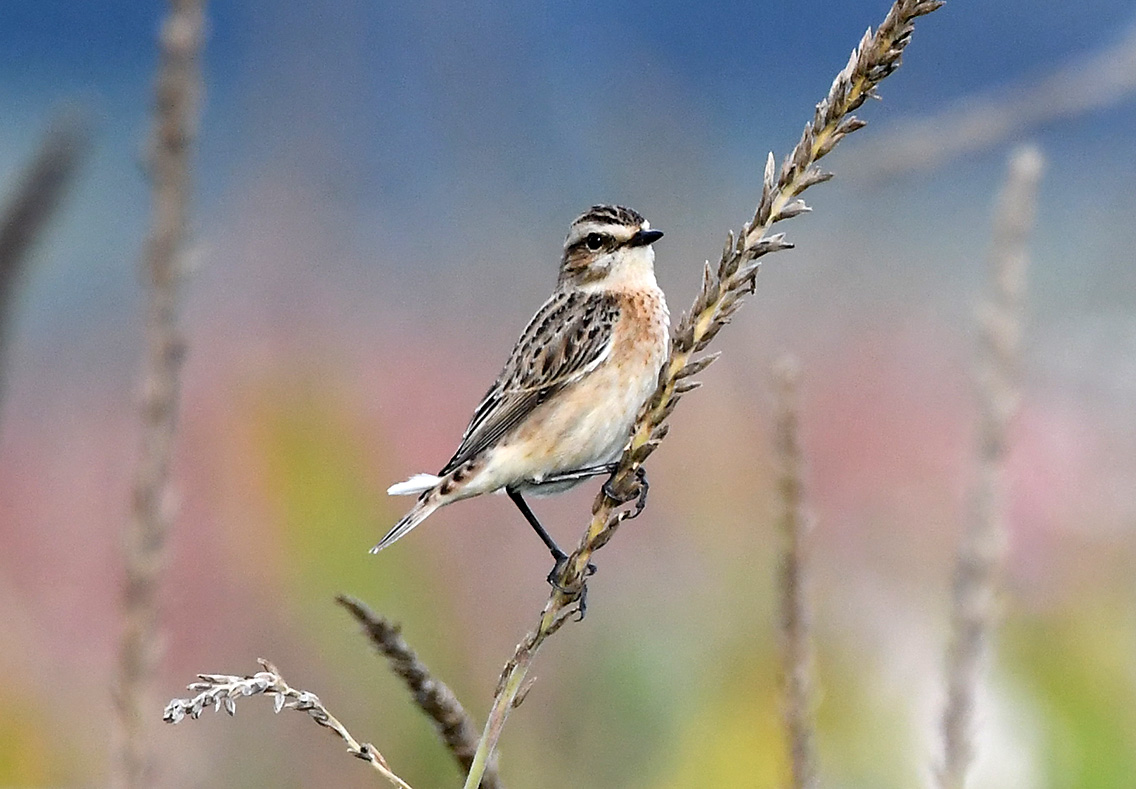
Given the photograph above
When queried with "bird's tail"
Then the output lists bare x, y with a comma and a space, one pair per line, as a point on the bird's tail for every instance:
431, 498
419, 483
422, 510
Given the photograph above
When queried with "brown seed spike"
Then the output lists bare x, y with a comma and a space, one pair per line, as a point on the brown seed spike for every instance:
697, 366
699, 326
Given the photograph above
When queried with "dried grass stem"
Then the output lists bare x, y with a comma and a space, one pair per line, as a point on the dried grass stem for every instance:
221, 692
795, 621
723, 288
432, 696
26, 213
175, 122
980, 553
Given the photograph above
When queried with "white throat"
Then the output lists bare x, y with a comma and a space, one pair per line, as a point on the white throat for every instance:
632, 269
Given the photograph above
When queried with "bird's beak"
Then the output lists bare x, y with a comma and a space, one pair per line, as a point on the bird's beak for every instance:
644, 237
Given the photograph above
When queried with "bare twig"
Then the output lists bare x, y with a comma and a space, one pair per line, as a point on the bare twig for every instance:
175, 121
32, 204
723, 288
980, 553
796, 647
221, 692
433, 697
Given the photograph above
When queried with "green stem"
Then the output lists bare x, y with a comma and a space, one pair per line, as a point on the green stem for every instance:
501, 706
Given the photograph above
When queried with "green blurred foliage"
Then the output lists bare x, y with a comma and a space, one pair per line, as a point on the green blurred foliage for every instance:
1078, 670
864, 736
733, 738
633, 685
26, 750
330, 511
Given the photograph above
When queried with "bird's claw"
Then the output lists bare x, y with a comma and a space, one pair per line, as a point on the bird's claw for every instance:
558, 568
581, 593
639, 495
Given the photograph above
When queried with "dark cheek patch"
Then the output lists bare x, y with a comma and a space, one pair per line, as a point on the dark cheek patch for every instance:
577, 258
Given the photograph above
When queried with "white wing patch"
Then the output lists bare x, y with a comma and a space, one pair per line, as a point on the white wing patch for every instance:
416, 484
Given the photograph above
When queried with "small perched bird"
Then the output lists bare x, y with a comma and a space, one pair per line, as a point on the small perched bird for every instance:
562, 409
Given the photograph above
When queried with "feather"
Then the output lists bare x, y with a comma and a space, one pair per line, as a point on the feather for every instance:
418, 513
567, 338
416, 484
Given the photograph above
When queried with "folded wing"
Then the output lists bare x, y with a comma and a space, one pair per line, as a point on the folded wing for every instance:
567, 338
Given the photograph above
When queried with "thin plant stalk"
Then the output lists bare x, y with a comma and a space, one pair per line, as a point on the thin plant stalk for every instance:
723, 288
175, 125
433, 697
981, 551
794, 625
221, 692
30, 208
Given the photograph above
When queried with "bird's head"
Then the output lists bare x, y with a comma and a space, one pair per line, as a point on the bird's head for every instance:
609, 246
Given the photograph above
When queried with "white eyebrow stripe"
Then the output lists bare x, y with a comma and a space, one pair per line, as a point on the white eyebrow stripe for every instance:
620, 232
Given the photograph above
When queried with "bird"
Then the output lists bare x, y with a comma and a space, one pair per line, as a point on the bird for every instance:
563, 407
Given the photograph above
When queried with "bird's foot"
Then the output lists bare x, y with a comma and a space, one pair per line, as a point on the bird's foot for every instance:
582, 592
558, 569
639, 494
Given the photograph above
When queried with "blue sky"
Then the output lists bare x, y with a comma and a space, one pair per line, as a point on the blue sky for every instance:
415, 124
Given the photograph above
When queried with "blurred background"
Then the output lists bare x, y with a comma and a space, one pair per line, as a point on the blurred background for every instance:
381, 195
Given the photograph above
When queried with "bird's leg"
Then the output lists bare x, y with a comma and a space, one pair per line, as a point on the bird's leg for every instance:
545, 537
557, 554
640, 494
580, 473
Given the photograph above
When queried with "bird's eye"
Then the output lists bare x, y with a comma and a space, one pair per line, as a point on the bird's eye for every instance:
594, 241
